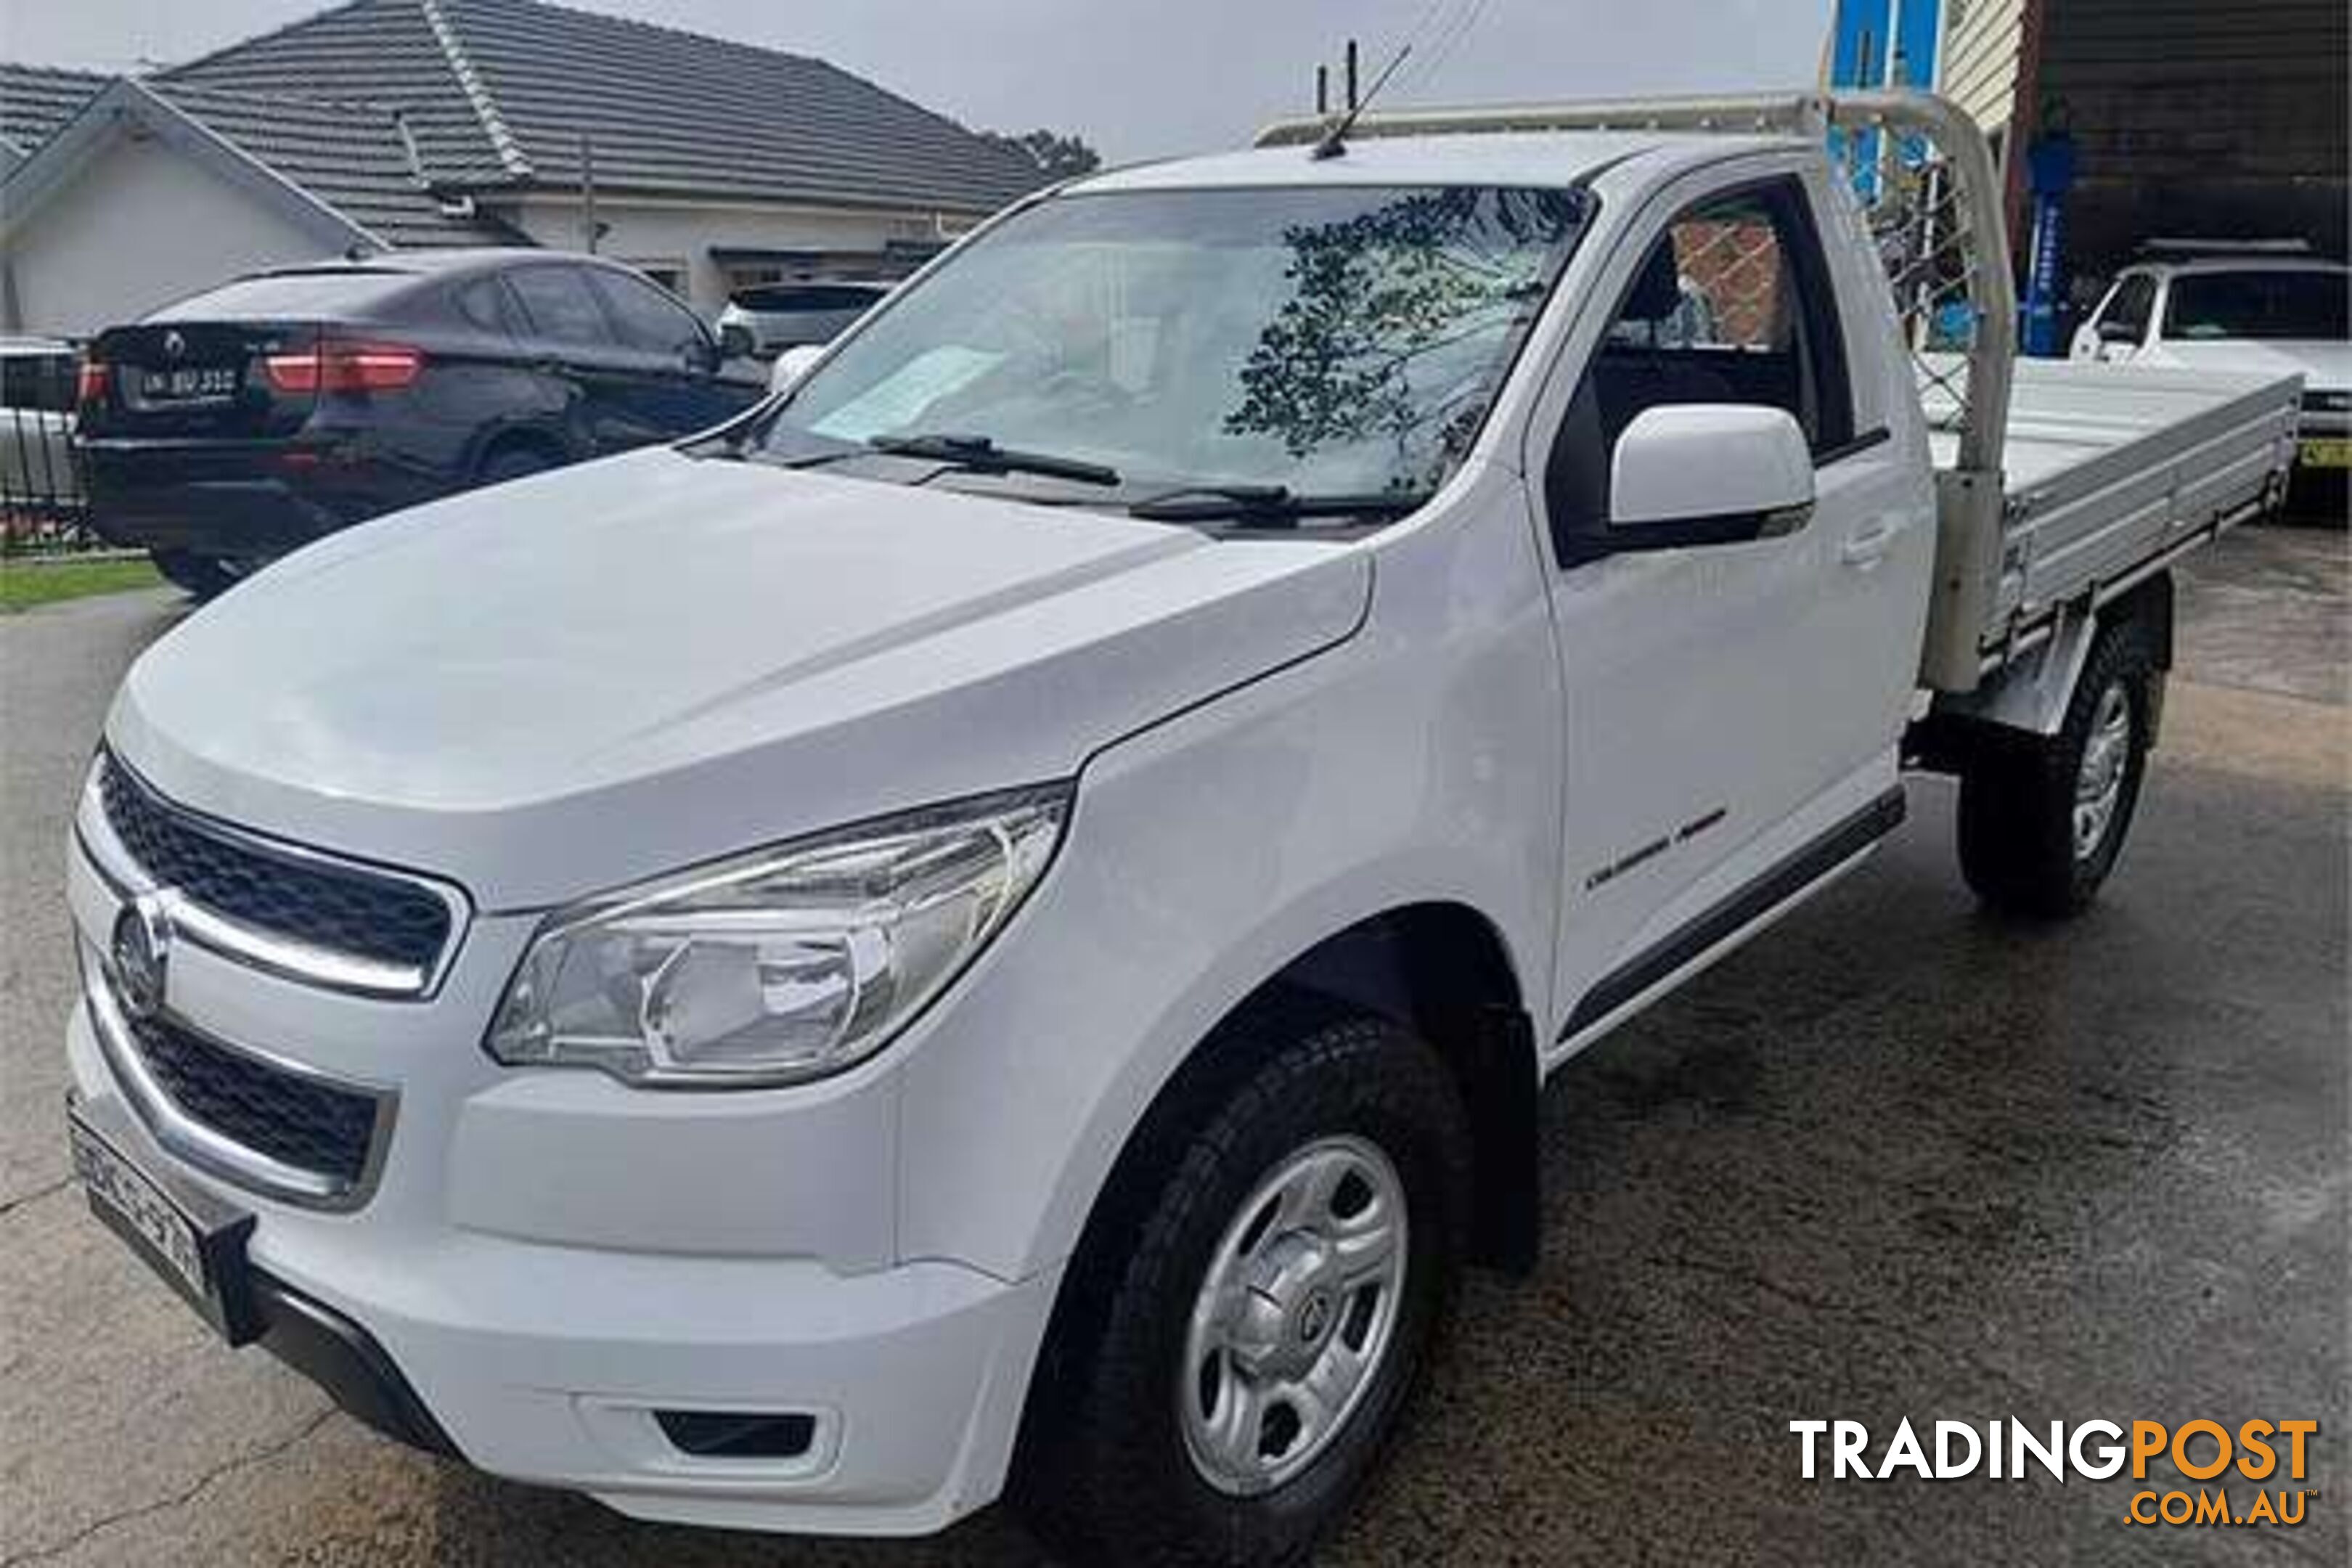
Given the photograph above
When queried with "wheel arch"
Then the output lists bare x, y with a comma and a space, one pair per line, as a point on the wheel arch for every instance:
514, 437
1439, 968
2030, 697
1442, 970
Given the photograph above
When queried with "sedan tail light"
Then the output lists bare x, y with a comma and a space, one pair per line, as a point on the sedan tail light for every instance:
89, 385
336, 365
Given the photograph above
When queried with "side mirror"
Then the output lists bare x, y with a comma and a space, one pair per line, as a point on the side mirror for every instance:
735, 342
1709, 473
792, 365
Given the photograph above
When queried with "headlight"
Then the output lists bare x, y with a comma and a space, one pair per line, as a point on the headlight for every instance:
780, 965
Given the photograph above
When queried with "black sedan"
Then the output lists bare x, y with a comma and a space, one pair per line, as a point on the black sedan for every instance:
246, 421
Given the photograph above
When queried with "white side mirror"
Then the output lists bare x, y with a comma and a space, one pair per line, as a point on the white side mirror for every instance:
792, 365
1709, 473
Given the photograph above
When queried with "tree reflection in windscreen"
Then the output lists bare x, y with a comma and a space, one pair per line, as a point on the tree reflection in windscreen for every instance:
1397, 322
1329, 338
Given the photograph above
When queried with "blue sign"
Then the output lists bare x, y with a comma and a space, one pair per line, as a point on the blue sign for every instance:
1876, 43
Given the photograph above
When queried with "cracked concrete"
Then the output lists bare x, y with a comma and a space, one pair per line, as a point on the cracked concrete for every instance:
95, 1533
1896, 1159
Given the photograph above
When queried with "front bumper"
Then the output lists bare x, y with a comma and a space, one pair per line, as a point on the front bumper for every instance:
548, 1262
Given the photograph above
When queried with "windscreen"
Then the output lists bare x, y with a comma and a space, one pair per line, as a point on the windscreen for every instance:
1338, 338
2272, 304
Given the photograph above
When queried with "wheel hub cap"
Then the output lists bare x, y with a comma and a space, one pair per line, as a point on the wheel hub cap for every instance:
1294, 1316
2099, 778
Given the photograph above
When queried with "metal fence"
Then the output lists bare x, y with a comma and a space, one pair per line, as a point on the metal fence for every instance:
44, 505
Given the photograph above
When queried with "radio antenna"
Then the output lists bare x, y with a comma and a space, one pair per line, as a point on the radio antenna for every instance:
1335, 141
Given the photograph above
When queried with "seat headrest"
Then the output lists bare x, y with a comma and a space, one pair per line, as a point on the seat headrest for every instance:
1658, 291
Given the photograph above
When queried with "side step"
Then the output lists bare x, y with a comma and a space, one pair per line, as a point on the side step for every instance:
1632, 986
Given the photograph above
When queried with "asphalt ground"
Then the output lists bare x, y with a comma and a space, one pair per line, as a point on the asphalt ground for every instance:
1897, 1159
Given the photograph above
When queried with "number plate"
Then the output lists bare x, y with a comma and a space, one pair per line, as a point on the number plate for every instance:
204, 1261
2335, 454
189, 382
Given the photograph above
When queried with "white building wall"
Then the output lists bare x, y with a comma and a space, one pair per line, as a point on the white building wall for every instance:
1981, 63
139, 226
681, 235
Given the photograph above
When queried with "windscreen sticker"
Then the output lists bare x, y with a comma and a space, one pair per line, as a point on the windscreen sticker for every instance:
898, 400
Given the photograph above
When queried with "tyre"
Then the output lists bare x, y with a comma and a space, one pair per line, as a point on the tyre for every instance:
512, 461
204, 576
2042, 819
1254, 1304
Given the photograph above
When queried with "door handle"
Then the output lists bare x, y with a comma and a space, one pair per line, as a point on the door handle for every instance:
1867, 546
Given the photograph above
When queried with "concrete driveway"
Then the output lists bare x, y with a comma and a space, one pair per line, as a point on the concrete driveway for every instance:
1896, 1159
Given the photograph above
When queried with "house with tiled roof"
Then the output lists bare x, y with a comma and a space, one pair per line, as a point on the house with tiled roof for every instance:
396, 124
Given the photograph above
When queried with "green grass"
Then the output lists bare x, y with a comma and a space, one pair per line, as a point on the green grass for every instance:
23, 584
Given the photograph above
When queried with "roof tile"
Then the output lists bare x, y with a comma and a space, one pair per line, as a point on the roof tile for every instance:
665, 111
37, 100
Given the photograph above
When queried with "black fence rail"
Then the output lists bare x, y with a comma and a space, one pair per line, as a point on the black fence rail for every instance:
44, 505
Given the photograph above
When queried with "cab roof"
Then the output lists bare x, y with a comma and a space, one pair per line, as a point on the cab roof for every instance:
1528, 158
2253, 261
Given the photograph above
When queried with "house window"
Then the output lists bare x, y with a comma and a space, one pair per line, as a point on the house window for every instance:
669, 273
740, 278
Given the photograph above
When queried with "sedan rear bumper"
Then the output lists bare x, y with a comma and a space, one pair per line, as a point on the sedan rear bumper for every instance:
249, 500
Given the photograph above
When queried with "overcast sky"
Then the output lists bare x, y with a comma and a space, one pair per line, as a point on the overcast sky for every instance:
1136, 78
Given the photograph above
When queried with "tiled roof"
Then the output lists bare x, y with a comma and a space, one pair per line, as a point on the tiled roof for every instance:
375, 52
35, 100
347, 156
501, 91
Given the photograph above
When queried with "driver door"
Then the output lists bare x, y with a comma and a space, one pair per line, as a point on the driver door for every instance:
1729, 704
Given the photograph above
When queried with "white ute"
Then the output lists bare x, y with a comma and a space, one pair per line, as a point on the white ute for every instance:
995, 928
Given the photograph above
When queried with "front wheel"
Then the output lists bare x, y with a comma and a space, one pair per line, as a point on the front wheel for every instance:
2042, 819
1252, 1310
204, 576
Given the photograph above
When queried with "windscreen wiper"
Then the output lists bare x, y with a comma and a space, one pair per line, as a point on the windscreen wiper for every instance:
983, 455
1272, 506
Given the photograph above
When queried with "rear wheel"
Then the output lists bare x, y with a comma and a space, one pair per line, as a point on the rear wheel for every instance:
204, 576
1253, 1307
2042, 819
512, 460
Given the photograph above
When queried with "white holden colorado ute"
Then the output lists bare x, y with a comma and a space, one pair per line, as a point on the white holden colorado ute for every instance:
996, 926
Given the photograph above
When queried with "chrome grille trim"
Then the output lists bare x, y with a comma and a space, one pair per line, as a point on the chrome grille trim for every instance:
289, 955
206, 1147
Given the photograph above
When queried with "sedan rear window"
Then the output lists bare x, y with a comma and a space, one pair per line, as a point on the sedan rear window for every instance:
292, 296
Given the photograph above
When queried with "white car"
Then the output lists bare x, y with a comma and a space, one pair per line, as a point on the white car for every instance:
2224, 310
996, 926
766, 319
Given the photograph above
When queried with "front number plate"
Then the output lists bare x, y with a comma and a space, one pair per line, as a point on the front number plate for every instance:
204, 1262
2335, 454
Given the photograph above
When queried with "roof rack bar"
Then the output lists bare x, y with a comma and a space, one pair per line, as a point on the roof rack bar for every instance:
1786, 113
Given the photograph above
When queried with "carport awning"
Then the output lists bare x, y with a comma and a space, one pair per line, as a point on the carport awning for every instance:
896, 252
